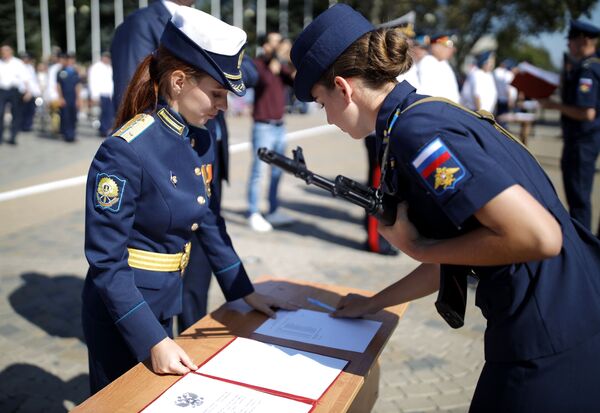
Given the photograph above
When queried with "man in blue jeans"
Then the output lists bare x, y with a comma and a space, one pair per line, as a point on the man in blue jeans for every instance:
269, 129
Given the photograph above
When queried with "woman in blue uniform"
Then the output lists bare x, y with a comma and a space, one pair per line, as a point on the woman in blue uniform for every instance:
148, 189
474, 200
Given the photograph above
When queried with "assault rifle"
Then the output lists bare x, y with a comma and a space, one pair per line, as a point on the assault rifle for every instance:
381, 206
452, 297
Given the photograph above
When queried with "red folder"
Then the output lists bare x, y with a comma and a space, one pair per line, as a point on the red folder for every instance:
534, 82
310, 402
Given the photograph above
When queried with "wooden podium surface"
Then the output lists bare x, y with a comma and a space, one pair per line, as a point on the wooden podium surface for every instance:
355, 390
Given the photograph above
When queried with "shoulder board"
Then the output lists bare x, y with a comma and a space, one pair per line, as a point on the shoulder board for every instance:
591, 61
135, 127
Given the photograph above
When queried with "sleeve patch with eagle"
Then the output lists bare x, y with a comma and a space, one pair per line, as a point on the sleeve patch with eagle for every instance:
439, 167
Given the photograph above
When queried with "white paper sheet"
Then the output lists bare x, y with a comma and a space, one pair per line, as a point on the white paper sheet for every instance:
550, 77
273, 367
199, 394
319, 328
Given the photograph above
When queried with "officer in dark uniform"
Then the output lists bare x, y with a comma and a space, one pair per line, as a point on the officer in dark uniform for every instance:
69, 85
149, 190
580, 119
475, 201
134, 39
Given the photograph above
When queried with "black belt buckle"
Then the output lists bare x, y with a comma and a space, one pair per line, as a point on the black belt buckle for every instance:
452, 298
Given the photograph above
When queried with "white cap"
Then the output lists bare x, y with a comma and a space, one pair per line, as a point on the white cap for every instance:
208, 44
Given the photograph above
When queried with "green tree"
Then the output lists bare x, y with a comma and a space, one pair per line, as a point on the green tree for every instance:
509, 20
511, 45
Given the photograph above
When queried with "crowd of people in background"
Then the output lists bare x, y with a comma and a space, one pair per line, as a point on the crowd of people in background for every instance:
62, 86
59, 91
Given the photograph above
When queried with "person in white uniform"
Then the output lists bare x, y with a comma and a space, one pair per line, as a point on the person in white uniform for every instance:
100, 82
479, 90
418, 50
32, 92
436, 76
507, 94
12, 89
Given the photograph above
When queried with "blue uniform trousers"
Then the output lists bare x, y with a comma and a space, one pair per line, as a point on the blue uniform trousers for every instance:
196, 281
28, 115
578, 164
198, 274
13, 98
564, 382
68, 121
107, 115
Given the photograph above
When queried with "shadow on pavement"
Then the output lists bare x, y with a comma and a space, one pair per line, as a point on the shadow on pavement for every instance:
303, 228
322, 211
307, 229
26, 388
52, 303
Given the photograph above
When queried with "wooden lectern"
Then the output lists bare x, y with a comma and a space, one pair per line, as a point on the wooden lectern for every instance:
355, 390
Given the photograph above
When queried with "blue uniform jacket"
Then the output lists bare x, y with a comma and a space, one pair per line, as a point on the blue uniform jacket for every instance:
68, 78
447, 164
581, 87
134, 39
149, 188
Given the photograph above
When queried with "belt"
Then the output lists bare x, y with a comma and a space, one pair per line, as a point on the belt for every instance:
271, 122
155, 261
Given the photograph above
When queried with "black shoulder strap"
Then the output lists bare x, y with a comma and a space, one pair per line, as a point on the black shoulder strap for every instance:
588, 62
484, 115
481, 114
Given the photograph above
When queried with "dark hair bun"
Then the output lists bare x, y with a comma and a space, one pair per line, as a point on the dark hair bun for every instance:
388, 53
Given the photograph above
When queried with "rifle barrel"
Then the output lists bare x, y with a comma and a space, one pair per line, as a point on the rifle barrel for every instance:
342, 187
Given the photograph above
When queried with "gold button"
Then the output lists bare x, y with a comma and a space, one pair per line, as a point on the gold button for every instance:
197, 171
193, 142
201, 200
194, 226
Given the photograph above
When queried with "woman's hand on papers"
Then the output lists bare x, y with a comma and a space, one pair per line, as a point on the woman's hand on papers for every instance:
266, 303
168, 358
354, 306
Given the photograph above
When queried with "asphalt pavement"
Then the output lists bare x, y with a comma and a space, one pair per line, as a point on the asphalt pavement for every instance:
426, 366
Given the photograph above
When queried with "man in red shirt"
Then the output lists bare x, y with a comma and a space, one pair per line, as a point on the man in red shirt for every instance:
269, 129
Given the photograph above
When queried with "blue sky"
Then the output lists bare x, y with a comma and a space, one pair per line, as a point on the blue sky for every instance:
556, 43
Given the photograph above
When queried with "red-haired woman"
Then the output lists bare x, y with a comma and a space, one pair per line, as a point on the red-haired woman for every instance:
148, 190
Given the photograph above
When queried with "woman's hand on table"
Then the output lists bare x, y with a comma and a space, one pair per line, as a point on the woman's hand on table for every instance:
168, 358
266, 303
354, 306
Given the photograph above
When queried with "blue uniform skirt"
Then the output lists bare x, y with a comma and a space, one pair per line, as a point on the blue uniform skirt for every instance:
564, 382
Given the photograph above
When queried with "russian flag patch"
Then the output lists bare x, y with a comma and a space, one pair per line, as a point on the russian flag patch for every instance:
585, 84
438, 167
